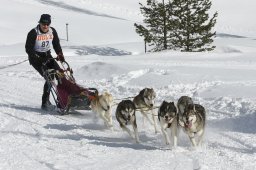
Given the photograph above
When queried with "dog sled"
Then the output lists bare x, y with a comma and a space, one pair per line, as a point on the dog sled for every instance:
67, 94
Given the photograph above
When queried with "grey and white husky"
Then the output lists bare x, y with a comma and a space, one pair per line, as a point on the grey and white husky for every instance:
167, 115
125, 115
144, 102
193, 123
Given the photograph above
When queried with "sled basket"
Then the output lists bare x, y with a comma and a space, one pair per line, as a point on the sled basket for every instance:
67, 94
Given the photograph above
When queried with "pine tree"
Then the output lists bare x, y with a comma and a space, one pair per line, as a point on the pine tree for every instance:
155, 32
193, 27
178, 24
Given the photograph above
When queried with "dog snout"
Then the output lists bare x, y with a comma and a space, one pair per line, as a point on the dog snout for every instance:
129, 117
166, 117
151, 105
187, 119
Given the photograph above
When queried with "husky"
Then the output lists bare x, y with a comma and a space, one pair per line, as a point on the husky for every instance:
193, 123
125, 115
102, 105
167, 115
144, 102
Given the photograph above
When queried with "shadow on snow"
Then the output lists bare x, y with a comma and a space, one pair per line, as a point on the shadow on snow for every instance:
102, 51
244, 123
73, 8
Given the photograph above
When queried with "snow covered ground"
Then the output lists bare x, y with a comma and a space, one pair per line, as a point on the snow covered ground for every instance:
105, 52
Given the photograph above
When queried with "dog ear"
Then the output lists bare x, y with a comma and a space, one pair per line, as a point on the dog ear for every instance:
160, 108
153, 91
164, 103
133, 105
175, 108
96, 93
142, 92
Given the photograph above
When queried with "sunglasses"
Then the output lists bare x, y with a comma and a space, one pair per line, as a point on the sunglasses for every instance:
45, 24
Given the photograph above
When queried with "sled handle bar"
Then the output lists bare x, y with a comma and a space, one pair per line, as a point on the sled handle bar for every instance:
65, 70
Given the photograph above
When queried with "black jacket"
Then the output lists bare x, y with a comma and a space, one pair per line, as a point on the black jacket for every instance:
31, 39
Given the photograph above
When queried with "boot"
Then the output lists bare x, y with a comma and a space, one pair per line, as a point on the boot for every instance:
46, 104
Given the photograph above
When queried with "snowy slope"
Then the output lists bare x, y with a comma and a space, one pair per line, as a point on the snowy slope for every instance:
105, 52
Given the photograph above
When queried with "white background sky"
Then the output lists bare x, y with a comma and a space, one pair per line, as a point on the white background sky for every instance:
223, 81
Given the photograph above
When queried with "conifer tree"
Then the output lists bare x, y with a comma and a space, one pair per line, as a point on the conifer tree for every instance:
178, 24
193, 28
155, 32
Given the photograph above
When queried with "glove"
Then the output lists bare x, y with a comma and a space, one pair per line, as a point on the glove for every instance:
60, 57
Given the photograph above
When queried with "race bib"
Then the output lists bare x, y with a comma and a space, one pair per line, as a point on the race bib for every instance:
43, 41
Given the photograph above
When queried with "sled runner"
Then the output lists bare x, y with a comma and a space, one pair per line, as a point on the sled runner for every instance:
66, 93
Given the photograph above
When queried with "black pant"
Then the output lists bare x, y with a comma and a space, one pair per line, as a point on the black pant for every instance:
37, 63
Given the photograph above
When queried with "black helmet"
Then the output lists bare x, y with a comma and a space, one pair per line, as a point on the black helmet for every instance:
45, 19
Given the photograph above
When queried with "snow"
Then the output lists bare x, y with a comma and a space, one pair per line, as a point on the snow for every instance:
105, 52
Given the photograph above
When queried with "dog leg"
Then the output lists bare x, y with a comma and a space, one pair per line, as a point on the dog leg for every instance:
143, 118
110, 120
193, 140
134, 125
145, 115
174, 132
105, 120
166, 137
165, 134
154, 121
126, 129
200, 137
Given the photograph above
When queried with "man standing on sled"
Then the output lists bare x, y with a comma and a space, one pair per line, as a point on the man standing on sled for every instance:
38, 48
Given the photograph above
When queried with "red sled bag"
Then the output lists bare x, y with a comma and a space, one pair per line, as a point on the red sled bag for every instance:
66, 93
73, 95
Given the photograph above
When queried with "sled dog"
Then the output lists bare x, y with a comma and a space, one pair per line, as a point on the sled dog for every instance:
102, 105
193, 123
125, 115
144, 102
167, 115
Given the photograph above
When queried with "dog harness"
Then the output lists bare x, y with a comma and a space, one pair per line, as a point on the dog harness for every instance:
104, 108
